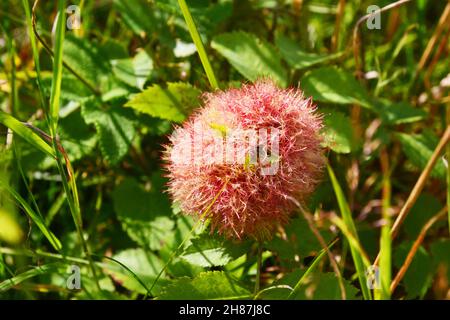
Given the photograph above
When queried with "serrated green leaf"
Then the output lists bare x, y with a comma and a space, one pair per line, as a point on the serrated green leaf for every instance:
76, 137
133, 71
333, 85
71, 87
202, 11
419, 148
115, 130
174, 103
206, 286
207, 250
144, 215
84, 57
338, 132
137, 14
113, 49
207, 258
90, 290
144, 264
297, 58
155, 126
299, 240
399, 113
418, 277
326, 287
319, 286
252, 57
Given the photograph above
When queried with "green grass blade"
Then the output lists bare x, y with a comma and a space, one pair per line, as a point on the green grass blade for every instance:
14, 88
26, 133
447, 155
64, 166
308, 271
198, 43
25, 181
55, 93
385, 266
350, 225
37, 65
134, 275
37, 219
10, 283
352, 240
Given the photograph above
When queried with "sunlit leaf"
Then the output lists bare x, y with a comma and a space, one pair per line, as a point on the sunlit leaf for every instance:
206, 286
174, 102
338, 132
419, 148
115, 129
252, 57
418, 277
144, 264
333, 85
144, 214
297, 58
133, 71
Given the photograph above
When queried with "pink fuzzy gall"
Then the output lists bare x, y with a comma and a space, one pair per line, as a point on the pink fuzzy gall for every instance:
241, 158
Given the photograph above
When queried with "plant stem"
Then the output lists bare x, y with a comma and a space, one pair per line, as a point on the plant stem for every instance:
447, 154
50, 51
420, 182
310, 269
349, 229
415, 247
418, 186
385, 240
55, 94
198, 43
443, 20
310, 220
357, 44
337, 26
66, 172
258, 269
70, 188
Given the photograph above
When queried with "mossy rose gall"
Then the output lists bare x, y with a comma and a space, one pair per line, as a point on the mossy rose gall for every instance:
243, 156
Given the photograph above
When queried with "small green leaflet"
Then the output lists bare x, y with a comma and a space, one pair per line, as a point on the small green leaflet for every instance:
144, 215
206, 286
419, 148
174, 102
252, 57
399, 113
208, 250
85, 58
133, 71
115, 129
338, 132
144, 264
298, 59
333, 85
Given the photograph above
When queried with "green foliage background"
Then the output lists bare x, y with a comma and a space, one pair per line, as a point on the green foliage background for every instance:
134, 73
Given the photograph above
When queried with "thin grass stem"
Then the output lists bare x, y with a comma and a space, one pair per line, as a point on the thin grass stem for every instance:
198, 43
